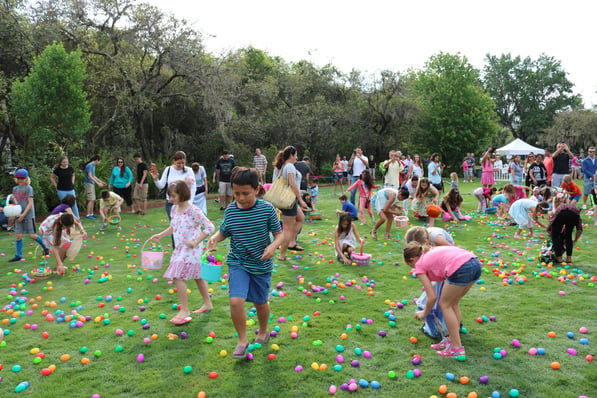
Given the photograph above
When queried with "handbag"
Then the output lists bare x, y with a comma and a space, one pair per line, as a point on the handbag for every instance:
162, 192
280, 195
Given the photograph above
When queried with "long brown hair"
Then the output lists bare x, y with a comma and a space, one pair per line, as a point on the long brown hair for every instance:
66, 220
283, 156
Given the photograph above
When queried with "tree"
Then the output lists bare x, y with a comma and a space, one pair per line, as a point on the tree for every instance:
456, 115
528, 93
576, 128
50, 105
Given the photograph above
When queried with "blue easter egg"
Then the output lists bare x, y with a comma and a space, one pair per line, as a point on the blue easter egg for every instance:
363, 383
375, 385
541, 351
450, 376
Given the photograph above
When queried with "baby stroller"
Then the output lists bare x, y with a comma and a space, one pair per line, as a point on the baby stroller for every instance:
547, 255
434, 326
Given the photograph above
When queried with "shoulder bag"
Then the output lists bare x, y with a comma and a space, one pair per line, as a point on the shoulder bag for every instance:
280, 195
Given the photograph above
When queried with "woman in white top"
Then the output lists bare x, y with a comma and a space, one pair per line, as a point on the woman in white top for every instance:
178, 171
294, 217
201, 187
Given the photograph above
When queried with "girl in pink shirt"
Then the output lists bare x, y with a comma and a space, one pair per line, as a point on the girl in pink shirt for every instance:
460, 269
365, 186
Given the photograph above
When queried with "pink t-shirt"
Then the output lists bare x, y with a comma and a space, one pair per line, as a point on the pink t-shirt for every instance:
520, 193
441, 262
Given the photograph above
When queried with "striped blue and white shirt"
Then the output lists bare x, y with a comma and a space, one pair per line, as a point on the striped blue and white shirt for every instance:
250, 232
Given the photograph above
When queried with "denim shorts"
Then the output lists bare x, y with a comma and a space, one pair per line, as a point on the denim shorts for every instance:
467, 273
251, 287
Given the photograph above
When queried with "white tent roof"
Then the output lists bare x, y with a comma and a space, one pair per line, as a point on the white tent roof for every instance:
518, 147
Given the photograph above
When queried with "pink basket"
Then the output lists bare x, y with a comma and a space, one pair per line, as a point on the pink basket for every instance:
151, 259
360, 259
401, 221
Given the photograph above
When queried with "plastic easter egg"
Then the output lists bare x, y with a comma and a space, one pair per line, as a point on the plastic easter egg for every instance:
363, 383
213, 375
450, 376
484, 379
332, 389
514, 393
187, 369
583, 341
392, 374
140, 358
375, 385
541, 351
583, 330
516, 343
555, 365
353, 387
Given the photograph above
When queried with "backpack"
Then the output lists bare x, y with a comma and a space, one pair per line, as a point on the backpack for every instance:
434, 326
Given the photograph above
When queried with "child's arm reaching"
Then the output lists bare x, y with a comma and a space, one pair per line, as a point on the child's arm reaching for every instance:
270, 250
213, 241
431, 297
163, 234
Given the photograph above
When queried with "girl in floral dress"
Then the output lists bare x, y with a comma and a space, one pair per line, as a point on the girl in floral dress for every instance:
189, 227
426, 195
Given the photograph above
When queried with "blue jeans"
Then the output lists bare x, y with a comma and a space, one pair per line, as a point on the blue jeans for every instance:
62, 194
353, 193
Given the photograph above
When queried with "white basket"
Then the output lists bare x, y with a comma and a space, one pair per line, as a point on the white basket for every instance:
12, 210
401, 221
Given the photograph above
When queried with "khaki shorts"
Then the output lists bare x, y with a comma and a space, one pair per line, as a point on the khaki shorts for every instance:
225, 188
140, 193
89, 191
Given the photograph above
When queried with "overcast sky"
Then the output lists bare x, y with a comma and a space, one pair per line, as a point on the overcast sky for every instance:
372, 35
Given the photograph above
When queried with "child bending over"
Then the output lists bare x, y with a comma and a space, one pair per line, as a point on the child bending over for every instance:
346, 238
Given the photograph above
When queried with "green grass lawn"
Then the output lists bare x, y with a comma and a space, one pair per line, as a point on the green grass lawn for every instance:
328, 303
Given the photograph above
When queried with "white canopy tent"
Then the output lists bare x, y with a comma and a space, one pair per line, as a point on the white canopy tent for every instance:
518, 147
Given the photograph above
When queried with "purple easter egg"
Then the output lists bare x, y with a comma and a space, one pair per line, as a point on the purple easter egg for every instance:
484, 379
183, 335
354, 363
344, 387
382, 333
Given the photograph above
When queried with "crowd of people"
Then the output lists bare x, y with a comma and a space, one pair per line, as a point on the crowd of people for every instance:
257, 229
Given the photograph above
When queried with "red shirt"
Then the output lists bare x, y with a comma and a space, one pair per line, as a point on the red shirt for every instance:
572, 189
548, 163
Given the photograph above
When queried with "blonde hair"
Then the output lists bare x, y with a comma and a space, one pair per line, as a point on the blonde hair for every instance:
418, 234
412, 250
567, 179
558, 200
454, 176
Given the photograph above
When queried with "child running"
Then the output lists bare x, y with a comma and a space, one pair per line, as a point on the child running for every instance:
55, 231
25, 222
365, 186
250, 224
519, 211
189, 227
460, 269
346, 238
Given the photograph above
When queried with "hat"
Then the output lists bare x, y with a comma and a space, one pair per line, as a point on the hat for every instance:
21, 173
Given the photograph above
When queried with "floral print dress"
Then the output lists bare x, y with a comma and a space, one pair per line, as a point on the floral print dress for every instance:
185, 263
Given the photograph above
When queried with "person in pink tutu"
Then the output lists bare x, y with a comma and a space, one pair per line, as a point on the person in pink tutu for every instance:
487, 179
189, 227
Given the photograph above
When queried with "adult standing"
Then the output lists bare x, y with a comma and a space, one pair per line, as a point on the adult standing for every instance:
588, 170
434, 169
487, 179
358, 162
561, 164
201, 187
537, 172
304, 168
294, 217
66, 181
393, 168
177, 171
515, 170
224, 168
565, 219
416, 168
372, 166
260, 163
528, 162
548, 163
89, 182
121, 181
141, 186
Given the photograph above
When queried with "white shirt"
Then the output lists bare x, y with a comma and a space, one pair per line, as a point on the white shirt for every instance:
358, 165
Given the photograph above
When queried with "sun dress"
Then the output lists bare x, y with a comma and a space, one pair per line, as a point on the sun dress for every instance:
185, 263
347, 238
487, 173
420, 206
46, 231
519, 211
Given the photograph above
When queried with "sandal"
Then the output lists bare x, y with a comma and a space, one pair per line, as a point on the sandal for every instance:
374, 234
178, 320
261, 341
240, 352
283, 258
201, 310
296, 247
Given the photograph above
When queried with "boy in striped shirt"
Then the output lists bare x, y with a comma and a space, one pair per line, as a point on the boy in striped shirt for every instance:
249, 223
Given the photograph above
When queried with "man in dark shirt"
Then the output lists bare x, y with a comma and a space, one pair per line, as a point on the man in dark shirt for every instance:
141, 187
561, 164
223, 172
305, 170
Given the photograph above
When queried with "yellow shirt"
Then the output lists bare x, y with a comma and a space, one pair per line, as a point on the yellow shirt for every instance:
393, 173
111, 201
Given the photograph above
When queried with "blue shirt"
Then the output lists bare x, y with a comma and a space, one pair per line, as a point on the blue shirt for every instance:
118, 181
589, 167
249, 232
434, 178
349, 207
90, 168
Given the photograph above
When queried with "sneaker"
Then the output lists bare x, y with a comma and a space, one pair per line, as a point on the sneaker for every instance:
363, 223
90, 216
10, 229
374, 234
221, 208
217, 200
142, 213
104, 226
46, 251
442, 345
15, 258
119, 228
450, 351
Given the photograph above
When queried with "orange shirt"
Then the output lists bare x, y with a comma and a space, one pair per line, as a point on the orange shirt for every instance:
572, 189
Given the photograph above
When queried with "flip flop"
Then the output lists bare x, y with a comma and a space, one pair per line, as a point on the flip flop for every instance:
261, 341
201, 310
178, 320
240, 352
296, 247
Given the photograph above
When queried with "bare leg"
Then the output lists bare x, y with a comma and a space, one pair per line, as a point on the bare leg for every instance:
449, 304
91, 205
181, 286
263, 318
288, 231
239, 319
202, 286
